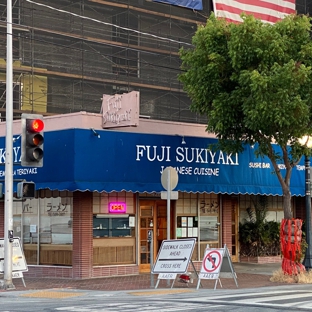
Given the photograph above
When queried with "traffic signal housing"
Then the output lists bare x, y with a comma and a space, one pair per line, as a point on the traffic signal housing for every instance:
25, 190
32, 140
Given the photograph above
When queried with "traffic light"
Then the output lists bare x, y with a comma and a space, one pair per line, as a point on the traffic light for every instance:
32, 140
25, 190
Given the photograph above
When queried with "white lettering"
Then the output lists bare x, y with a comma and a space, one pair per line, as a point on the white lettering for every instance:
140, 149
179, 152
184, 170
221, 158
164, 153
229, 160
15, 151
212, 155
2, 155
198, 155
189, 158
153, 153
259, 165
207, 171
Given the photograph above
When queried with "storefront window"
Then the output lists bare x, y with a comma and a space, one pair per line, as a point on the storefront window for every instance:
45, 228
274, 207
209, 221
55, 221
187, 227
187, 224
113, 226
209, 228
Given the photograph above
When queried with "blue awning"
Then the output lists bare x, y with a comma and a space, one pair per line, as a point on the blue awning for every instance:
76, 159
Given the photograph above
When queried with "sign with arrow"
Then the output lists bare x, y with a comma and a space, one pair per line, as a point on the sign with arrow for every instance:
174, 256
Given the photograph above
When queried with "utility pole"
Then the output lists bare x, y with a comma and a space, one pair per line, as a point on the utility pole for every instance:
8, 207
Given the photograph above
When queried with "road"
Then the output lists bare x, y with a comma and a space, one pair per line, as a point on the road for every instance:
268, 299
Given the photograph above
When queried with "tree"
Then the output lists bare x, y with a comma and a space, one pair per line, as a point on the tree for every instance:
253, 81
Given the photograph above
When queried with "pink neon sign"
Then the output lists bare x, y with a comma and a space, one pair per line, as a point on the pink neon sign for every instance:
117, 207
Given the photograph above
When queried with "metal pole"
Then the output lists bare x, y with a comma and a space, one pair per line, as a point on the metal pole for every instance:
152, 256
8, 207
307, 262
168, 203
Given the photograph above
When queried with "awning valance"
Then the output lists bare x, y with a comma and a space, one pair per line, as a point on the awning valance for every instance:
76, 159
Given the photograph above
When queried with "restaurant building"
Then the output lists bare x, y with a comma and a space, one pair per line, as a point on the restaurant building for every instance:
99, 193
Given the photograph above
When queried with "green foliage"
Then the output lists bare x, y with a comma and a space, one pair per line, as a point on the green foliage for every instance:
254, 83
252, 80
257, 236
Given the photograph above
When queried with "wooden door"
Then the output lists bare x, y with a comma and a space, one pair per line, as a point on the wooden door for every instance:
153, 216
147, 222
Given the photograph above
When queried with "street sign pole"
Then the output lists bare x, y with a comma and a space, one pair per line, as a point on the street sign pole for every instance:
151, 242
169, 180
8, 206
168, 204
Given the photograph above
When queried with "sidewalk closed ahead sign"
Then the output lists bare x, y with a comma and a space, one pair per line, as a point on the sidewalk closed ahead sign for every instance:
174, 256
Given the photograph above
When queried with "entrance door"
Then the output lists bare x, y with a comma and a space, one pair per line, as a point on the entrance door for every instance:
153, 216
234, 230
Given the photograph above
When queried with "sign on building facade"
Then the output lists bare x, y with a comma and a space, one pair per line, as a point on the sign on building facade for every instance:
120, 110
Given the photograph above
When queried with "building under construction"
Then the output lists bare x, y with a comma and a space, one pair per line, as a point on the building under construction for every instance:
67, 54
100, 209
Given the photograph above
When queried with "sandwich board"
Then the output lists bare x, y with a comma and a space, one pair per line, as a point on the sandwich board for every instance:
19, 264
173, 257
216, 261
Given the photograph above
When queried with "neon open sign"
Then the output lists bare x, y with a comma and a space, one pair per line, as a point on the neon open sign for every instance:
117, 207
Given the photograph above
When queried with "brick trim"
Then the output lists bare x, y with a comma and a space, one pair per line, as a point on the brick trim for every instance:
82, 235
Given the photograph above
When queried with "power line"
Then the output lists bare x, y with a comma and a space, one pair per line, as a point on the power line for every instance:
100, 53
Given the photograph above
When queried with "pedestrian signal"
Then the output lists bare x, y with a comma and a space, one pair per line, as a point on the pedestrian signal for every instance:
26, 190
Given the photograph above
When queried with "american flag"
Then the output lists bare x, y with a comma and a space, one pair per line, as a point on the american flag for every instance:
268, 11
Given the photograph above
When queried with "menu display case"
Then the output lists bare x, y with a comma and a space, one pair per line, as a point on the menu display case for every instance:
112, 226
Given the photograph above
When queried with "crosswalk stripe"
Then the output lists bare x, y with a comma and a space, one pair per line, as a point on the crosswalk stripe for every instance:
283, 299
276, 298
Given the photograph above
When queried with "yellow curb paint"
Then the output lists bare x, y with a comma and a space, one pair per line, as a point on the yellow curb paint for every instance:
161, 292
52, 294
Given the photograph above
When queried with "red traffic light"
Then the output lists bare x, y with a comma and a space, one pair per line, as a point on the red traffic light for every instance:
35, 125
32, 140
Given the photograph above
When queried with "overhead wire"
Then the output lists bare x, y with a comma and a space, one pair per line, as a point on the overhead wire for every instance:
109, 24
106, 55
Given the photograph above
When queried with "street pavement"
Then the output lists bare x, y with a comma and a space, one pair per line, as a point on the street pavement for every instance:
249, 275
255, 292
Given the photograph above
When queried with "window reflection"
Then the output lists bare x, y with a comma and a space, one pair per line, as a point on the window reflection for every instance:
42, 223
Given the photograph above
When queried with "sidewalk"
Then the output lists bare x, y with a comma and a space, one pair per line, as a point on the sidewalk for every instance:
249, 275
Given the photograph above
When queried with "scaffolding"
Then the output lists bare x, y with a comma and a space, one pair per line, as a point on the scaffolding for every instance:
67, 54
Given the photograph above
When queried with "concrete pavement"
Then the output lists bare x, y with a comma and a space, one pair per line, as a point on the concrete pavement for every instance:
249, 275
256, 268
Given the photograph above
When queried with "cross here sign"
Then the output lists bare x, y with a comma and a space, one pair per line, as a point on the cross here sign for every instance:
174, 256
